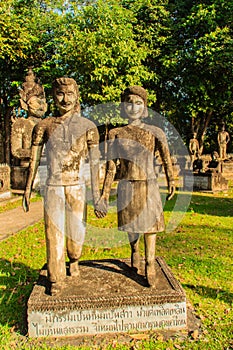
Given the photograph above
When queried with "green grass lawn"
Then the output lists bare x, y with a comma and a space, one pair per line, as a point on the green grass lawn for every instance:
199, 252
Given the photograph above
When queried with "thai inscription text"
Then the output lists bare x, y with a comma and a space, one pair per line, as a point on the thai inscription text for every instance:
71, 322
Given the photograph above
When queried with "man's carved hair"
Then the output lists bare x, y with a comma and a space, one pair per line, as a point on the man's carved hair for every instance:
65, 81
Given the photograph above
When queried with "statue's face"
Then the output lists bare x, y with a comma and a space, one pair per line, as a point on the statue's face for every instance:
65, 98
37, 106
134, 107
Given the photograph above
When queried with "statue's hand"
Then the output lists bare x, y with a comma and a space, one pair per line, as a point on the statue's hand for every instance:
26, 200
171, 191
101, 208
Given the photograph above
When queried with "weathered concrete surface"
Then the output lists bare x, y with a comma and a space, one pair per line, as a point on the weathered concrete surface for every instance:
16, 219
209, 182
108, 298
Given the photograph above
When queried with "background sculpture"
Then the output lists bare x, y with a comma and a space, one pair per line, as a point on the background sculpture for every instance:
139, 205
223, 139
213, 165
69, 139
32, 100
194, 148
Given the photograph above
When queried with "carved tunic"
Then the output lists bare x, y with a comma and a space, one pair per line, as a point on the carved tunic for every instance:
67, 143
139, 203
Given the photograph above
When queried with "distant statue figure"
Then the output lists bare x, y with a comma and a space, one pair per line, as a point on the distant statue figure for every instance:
213, 165
223, 139
132, 149
34, 103
198, 165
69, 139
194, 148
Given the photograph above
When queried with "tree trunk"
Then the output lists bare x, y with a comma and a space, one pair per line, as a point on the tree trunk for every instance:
202, 132
7, 141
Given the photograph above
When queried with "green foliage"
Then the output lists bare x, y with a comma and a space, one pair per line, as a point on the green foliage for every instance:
152, 30
100, 50
180, 51
200, 65
13, 35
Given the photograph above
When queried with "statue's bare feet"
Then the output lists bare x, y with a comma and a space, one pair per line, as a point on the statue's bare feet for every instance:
56, 288
135, 261
150, 274
74, 269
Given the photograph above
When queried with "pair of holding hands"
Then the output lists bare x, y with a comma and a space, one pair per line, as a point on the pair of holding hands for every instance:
101, 208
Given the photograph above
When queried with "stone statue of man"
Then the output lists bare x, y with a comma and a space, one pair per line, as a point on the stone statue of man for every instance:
223, 139
69, 139
194, 148
34, 103
133, 148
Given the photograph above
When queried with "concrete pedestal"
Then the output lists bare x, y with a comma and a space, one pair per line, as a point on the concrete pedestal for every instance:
18, 177
107, 298
227, 169
209, 182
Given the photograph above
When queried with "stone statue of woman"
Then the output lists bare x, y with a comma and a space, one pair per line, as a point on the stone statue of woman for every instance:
139, 204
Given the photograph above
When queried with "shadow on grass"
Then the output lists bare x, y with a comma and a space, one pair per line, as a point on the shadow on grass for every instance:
201, 204
208, 292
218, 206
16, 283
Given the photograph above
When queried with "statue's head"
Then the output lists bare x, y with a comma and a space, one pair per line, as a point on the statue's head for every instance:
223, 126
66, 94
33, 96
215, 155
134, 102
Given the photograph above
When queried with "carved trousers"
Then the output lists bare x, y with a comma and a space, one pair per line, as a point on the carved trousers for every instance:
223, 151
65, 218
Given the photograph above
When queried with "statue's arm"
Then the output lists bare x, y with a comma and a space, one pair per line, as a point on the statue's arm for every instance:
33, 166
94, 156
167, 164
102, 205
109, 178
94, 170
110, 172
190, 146
36, 151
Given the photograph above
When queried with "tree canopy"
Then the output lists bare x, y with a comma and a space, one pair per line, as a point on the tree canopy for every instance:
199, 67
179, 50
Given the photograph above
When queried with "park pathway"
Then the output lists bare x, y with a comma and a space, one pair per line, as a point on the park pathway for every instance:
15, 220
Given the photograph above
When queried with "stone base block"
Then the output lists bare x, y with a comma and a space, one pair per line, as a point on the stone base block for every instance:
227, 169
108, 297
209, 182
18, 177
